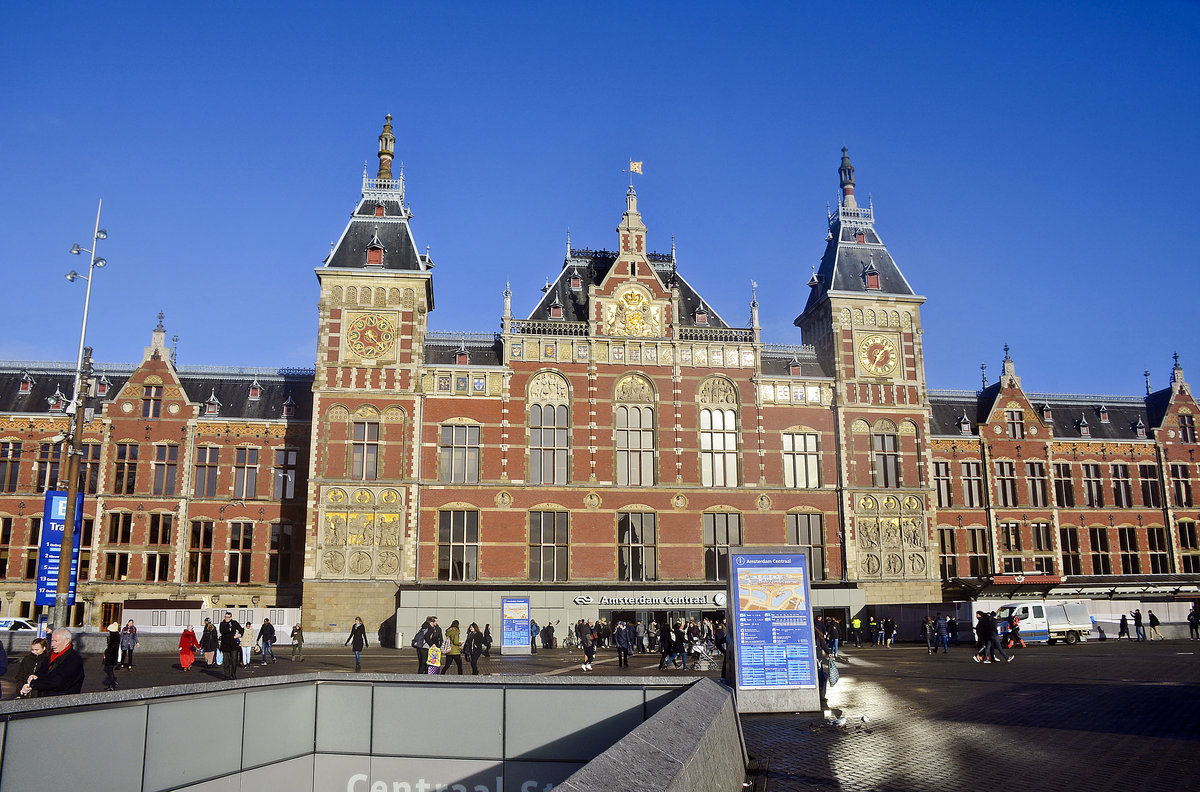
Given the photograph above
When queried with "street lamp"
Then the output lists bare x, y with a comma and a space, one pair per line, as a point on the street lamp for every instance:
62, 616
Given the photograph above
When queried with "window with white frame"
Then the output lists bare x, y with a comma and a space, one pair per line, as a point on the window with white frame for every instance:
801, 460
635, 445
718, 447
548, 443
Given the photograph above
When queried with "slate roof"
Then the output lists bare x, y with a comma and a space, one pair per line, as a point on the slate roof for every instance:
392, 231
1066, 411
483, 349
233, 392
593, 265
777, 361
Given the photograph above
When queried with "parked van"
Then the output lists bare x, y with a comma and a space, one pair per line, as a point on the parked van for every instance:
1048, 620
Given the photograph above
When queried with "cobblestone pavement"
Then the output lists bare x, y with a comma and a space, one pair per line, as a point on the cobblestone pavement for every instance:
1095, 716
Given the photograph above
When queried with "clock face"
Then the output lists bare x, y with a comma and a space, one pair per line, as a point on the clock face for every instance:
370, 335
877, 355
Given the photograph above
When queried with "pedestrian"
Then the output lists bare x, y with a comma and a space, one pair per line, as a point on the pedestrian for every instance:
297, 643
428, 636
63, 673
877, 630
454, 652
941, 626
245, 649
228, 642
1154, 633
587, 639
678, 646
533, 639
129, 642
187, 648
1137, 624
929, 633
266, 640
1193, 620
856, 631
34, 664
1123, 628
986, 629
720, 636
889, 632
487, 641
624, 644
1014, 632
209, 643
357, 641
952, 628
473, 647
112, 656
652, 634
639, 635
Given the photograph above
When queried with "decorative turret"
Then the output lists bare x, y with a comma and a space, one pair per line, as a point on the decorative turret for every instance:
1008, 374
387, 150
1178, 383
631, 230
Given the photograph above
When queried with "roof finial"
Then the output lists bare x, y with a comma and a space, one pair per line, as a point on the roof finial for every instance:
160, 327
1146, 374
387, 149
672, 247
1006, 357
983, 368
846, 173
568, 241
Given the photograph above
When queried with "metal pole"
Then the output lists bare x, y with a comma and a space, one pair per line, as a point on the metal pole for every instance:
62, 608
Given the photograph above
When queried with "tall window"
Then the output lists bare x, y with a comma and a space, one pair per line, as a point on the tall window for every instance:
1035, 477
548, 430
284, 550
160, 529
31, 551
245, 472
1093, 489
1010, 537
1160, 550
459, 462
1064, 486
972, 482
285, 474
1187, 428
158, 567
948, 552
941, 483
1127, 537
978, 553
886, 470
116, 566
49, 457
125, 473
10, 466
808, 532
364, 462
85, 549
722, 530
206, 471
1122, 487
89, 468
1041, 536
548, 545
1101, 560
152, 401
637, 546
458, 545
801, 461
241, 546
6, 524
166, 465
199, 551
1015, 419
1072, 560
1181, 485
1189, 546
1006, 483
718, 448
1151, 492
635, 446
120, 528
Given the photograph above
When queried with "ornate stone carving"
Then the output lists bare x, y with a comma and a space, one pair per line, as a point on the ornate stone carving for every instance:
763, 503
870, 565
336, 495
363, 497
890, 527
333, 561
634, 389
916, 563
717, 390
393, 415
895, 564
337, 413
632, 314
388, 564
679, 502
409, 299
360, 562
504, 499
390, 497
360, 528
549, 387
591, 501
389, 530
335, 529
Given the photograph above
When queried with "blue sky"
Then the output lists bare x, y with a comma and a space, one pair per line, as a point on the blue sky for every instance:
1032, 165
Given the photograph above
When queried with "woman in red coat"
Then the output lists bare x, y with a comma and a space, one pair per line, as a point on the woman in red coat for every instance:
187, 647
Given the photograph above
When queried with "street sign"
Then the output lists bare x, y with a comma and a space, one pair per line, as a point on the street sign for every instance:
50, 547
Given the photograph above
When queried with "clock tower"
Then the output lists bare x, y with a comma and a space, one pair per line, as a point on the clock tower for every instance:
864, 319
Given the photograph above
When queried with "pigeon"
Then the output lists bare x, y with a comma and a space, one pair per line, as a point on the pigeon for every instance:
865, 719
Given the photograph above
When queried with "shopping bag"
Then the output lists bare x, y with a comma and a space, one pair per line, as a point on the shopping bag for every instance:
434, 661
220, 657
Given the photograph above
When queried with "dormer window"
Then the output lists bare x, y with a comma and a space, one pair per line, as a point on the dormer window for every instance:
26, 383
576, 283
872, 280
860, 237
289, 407
1140, 428
375, 251
213, 405
58, 402
964, 424
1103, 414
379, 210
1047, 414
701, 315
1085, 430
102, 386
255, 390
556, 309
461, 356
794, 367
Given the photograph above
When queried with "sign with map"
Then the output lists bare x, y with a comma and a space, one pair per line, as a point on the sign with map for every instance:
772, 618
514, 622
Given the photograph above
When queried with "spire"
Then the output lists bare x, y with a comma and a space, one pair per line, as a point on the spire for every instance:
568, 242
632, 232
387, 149
1178, 383
1008, 374
846, 172
1146, 374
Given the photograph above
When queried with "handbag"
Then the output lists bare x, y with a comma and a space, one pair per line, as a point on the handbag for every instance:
833, 674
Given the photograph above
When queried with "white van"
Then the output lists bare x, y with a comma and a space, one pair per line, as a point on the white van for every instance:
1048, 620
17, 625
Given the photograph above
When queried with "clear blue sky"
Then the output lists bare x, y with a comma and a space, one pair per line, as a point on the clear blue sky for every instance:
1033, 165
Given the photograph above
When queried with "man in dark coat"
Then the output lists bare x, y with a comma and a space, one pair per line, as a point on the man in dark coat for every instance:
231, 649
64, 674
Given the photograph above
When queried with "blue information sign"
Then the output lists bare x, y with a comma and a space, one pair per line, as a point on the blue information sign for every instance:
54, 518
514, 622
772, 621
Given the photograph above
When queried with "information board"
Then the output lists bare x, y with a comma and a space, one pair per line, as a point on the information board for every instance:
54, 518
772, 617
514, 622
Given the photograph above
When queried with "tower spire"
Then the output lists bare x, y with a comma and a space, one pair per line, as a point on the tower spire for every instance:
846, 173
387, 149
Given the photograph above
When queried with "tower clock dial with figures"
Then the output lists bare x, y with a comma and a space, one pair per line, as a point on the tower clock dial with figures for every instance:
370, 335
877, 355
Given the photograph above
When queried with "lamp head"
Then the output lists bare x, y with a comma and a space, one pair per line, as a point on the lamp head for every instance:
75, 249
72, 275
100, 263
101, 234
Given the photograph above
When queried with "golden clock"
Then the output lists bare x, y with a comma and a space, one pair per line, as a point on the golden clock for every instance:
877, 355
370, 335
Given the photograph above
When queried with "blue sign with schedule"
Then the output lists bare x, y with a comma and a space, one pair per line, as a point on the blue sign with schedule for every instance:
54, 519
772, 615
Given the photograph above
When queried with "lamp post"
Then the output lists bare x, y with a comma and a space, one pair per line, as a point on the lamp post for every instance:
62, 613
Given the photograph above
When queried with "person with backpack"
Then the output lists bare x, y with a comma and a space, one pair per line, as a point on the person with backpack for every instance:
1154, 633
587, 639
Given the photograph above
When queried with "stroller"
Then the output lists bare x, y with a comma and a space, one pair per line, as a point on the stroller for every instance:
703, 655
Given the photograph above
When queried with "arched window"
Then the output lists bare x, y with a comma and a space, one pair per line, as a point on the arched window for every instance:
635, 445
548, 443
718, 447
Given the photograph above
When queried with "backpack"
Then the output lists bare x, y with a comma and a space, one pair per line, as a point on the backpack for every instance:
418, 639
